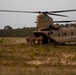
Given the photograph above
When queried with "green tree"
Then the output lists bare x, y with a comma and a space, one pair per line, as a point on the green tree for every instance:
7, 27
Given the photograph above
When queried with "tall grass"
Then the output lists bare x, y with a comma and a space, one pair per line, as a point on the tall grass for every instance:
20, 59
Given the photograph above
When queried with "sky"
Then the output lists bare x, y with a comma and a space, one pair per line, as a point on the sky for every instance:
20, 20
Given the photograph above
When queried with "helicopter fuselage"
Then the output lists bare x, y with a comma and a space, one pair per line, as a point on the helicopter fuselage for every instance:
53, 33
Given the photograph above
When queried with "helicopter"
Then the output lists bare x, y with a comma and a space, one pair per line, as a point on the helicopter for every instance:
51, 33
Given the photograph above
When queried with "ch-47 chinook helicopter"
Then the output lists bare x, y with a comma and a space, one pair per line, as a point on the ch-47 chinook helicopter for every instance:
50, 32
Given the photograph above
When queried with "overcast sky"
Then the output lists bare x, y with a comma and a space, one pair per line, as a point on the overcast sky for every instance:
19, 20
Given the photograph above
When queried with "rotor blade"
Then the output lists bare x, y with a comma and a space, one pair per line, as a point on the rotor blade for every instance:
62, 11
57, 15
64, 21
18, 11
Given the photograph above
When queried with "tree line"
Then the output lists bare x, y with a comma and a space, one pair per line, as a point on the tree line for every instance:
8, 31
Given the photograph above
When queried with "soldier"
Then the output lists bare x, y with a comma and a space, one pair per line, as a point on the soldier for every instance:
40, 40
33, 39
28, 39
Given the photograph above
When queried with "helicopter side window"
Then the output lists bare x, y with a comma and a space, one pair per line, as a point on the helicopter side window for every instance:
64, 34
50, 26
71, 33
59, 34
48, 33
51, 32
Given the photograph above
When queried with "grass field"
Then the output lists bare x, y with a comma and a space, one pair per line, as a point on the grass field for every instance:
18, 59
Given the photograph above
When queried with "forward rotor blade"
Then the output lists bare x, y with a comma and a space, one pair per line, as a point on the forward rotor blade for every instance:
62, 11
50, 12
64, 21
18, 11
57, 15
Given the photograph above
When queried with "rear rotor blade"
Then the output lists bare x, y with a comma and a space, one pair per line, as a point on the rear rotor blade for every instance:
64, 21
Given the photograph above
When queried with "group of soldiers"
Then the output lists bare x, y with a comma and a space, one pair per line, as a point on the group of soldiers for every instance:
33, 40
